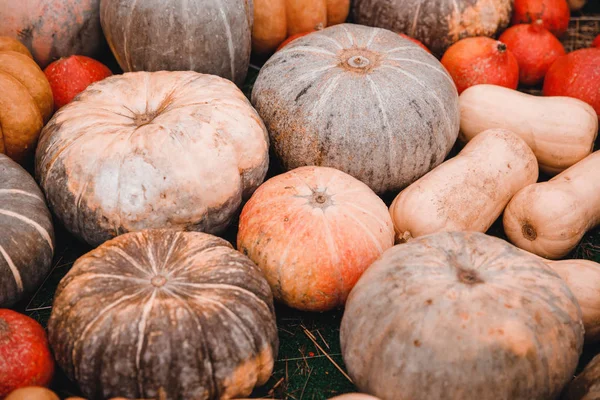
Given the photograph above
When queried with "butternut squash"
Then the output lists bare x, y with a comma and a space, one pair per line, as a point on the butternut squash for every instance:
469, 191
583, 278
560, 130
550, 218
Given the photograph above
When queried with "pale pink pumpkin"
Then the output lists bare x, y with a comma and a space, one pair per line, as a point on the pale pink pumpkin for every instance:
313, 231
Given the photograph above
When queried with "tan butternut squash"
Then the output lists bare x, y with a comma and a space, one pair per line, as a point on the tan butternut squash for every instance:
583, 278
469, 191
560, 130
550, 218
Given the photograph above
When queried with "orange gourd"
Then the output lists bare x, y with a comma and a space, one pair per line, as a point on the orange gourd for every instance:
26, 102
275, 20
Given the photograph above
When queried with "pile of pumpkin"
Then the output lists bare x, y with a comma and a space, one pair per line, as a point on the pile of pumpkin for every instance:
150, 165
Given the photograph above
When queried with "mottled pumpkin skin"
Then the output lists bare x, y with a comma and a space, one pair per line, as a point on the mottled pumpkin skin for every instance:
436, 23
53, 29
461, 315
207, 36
275, 20
586, 386
26, 102
27, 236
141, 150
313, 231
180, 314
362, 100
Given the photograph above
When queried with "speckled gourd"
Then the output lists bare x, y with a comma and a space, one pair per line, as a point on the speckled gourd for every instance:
164, 313
26, 233
207, 36
362, 100
145, 150
436, 23
461, 315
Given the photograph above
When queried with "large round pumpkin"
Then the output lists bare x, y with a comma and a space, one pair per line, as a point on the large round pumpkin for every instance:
26, 102
208, 36
180, 313
362, 100
461, 316
313, 231
275, 20
436, 23
152, 150
53, 29
26, 234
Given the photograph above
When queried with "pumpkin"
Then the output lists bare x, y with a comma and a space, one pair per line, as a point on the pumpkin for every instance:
313, 231
576, 5
208, 36
555, 14
362, 100
27, 240
276, 20
140, 150
535, 49
481, 60
479, 181
415, 41
25, 100
70, 76
583, 278
577, 75
436, 23
25, 358
596, 42
461, 315
561, 131
157, 298
53, 29
550, 218
32, 393
586, 385
354, 396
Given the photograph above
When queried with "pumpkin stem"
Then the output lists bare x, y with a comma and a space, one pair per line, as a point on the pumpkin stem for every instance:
501, 47
406, 236
468, 277
528, 231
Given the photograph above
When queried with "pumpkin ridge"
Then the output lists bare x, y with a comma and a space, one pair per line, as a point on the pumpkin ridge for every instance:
16, 275
142, 326
40, 229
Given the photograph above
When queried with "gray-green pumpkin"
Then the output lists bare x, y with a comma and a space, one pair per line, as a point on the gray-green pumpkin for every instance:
363, 100
26, 233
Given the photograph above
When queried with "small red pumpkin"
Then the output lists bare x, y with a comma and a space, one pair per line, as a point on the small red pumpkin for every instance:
313, 231
554, 13
481, 60
71, 75
535, 49
577, 75
25, 358
596, 42
415, 41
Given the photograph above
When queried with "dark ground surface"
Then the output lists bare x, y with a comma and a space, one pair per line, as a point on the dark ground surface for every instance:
303, 369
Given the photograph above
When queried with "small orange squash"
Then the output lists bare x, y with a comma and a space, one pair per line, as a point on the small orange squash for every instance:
550, 218
275, 20
469, 191
313, 231
26, 102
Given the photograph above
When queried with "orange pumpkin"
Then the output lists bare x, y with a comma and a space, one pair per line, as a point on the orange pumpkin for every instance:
53, 29
26, 102
313, 231
275, 20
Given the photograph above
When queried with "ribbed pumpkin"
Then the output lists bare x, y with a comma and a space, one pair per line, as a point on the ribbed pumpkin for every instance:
152, 150
53, 29
275, 20
462, 316
208, 36
26, 102
177, 314
313, 231
436, 23
27, 239
362, 100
